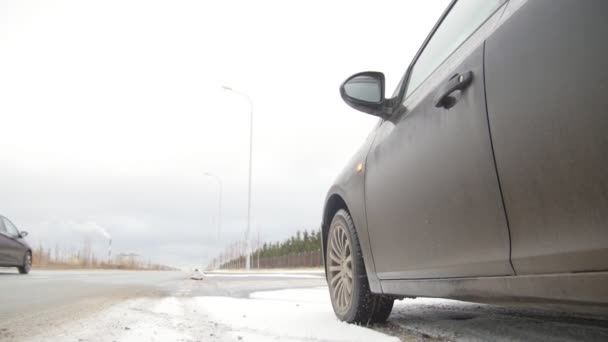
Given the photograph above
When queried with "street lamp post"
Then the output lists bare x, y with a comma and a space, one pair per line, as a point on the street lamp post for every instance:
247, 256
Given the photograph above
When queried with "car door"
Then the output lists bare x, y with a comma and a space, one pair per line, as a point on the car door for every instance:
5, 244
547, 80
433, 201
13, 249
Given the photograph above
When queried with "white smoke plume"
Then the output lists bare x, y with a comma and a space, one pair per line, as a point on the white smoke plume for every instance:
91, 227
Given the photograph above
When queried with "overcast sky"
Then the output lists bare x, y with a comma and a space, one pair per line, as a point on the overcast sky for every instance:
111, 111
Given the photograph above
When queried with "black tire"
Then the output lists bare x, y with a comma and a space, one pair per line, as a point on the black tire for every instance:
27, 263
364, 306
382, 307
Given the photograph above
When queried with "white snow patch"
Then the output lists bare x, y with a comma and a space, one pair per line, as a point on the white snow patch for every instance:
170, 306
143, 319
263, 275
319, 295
315, 270
286, 315
152, 331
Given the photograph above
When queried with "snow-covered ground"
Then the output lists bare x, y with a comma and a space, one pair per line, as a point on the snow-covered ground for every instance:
227, 308
286, 315
314, 270
263, 275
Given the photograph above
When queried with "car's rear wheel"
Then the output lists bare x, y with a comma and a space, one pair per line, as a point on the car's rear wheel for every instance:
351, 297
27, 264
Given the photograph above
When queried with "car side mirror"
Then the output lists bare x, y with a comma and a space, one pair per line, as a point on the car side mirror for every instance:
23, 233
365, 92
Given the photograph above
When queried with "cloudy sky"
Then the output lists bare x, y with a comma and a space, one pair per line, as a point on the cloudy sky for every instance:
112, 111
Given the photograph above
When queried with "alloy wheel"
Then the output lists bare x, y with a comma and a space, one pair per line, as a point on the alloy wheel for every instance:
340, 267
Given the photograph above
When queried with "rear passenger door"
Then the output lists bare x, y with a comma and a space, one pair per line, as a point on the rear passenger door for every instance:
547, 82
432, 197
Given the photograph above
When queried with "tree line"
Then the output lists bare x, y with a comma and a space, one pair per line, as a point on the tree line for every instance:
301, 241
85, 258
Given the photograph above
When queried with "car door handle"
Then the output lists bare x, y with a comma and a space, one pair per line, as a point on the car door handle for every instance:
457, 82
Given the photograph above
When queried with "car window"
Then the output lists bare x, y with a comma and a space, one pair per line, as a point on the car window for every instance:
462, 20
11, 230
2, 229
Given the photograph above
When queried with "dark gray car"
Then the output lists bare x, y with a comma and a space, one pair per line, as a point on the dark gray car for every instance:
486, 177
14, 250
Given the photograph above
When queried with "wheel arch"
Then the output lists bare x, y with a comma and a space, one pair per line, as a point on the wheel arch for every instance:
335, 201
30, 252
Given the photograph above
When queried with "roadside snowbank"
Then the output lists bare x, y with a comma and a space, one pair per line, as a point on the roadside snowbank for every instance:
285, 315
263, 275
317, 270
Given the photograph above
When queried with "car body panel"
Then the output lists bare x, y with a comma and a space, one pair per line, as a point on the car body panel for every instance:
12, 248
543, 211
547, 80
349, 187
569, 289
431, 183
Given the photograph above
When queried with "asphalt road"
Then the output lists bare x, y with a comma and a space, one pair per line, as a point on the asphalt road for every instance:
31, 304
40, 290
166, 306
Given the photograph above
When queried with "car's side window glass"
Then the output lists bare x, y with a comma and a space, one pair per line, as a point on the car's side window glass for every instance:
462, 20
11, 230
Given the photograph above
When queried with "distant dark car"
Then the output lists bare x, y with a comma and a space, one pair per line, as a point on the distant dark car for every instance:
14, 250
486, 177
